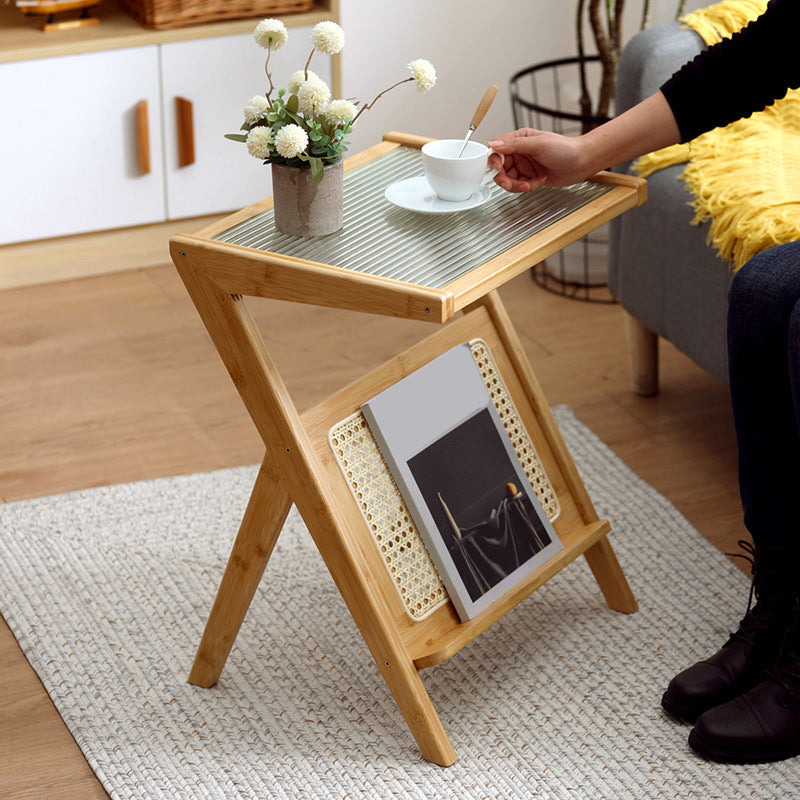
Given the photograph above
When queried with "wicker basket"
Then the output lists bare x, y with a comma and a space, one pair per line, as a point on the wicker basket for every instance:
164, 14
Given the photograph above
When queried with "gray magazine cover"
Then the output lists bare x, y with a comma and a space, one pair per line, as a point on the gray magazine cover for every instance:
464, 485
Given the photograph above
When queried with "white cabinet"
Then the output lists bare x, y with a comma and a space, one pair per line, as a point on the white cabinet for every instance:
78, 131
218, 76
68, 144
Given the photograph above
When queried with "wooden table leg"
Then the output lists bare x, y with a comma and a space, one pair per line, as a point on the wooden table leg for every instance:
601, 557
266, 512
610, 578
300, 466
417, 708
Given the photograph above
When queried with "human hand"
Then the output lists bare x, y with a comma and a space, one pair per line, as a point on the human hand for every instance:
527, 159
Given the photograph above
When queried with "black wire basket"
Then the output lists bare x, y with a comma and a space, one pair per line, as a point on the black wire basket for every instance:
546, 96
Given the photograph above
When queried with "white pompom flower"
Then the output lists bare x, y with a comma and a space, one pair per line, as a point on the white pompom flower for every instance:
290, 141
328, 37
299, 78
313, 96
271, 34
424, 74
256, 109
258, 142
339, 112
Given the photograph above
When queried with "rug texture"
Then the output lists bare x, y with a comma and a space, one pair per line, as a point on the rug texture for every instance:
107, 591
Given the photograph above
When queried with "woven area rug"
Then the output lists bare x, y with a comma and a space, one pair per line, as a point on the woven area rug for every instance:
107, 591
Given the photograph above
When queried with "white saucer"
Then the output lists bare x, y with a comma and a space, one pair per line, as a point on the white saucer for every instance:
415, 194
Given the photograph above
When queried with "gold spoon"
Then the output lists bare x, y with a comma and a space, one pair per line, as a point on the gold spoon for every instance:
480, 113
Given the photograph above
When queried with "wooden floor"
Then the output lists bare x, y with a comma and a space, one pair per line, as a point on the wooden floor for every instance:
112, 378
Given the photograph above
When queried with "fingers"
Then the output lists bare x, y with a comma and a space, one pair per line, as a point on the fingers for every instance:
506, 173
519, 133
501, 145
513, 176
511, 185
507, 141
516, 184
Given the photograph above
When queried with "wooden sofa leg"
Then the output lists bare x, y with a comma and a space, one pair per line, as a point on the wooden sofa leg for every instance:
642, 356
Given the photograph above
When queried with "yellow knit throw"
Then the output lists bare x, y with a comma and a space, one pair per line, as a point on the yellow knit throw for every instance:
745, 177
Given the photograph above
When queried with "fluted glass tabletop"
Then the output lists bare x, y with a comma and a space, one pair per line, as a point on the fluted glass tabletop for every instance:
431, 250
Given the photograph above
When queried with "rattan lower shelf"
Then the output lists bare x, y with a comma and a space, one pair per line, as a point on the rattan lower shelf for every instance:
385, 512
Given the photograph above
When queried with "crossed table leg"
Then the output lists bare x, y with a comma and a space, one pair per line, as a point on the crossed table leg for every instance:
299, 468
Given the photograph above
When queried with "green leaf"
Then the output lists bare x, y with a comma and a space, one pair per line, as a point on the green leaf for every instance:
292, 104
296, 118
317, 169
236, 137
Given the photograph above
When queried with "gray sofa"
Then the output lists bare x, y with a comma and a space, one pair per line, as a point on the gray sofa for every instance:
670, 283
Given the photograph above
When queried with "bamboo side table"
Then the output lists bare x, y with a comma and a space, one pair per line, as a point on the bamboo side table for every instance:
392, 262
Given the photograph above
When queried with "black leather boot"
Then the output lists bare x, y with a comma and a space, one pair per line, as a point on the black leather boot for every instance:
762, 724
740, 663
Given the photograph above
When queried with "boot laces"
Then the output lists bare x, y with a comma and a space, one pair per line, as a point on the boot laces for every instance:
757, 618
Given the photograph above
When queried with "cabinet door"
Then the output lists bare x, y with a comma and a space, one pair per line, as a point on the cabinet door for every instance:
218, 76
68, 144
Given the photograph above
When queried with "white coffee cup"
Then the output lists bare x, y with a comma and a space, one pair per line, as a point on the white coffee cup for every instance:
453, 178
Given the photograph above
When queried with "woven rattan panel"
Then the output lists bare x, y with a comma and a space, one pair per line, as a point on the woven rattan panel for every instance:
429, 250
385, 511
166, 14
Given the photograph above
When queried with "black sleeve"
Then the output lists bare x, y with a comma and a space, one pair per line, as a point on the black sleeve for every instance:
740, 75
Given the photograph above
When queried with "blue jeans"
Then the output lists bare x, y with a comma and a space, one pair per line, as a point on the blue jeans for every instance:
764, 371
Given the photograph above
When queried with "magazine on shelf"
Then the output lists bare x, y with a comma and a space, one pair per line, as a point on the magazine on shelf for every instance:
462, 481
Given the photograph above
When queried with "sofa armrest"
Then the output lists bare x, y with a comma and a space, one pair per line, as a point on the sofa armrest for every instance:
650, 58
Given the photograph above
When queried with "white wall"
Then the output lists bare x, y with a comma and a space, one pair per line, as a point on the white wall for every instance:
472, 44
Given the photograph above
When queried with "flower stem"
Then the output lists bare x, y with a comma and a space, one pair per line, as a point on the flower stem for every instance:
369, 105
269, 77
305, 71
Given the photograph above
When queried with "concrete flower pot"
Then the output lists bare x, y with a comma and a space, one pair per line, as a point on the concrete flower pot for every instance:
304, 207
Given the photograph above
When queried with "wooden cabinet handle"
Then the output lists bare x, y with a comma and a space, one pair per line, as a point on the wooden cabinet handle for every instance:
184, 112
142, 137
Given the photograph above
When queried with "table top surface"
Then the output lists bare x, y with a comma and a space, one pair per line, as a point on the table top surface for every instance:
426, 249
389, 260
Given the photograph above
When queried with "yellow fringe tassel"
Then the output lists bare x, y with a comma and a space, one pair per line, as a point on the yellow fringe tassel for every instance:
746, 182
745, 177
720, 21
661, 159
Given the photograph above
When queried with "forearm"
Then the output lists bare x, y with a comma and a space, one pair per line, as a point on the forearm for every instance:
647, 126
527, 158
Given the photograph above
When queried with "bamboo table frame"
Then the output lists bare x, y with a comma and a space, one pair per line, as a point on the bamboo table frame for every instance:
299, 466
